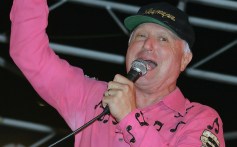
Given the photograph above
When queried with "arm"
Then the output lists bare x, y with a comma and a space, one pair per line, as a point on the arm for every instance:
55, 80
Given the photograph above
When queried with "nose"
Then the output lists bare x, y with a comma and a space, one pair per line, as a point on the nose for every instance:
148, 44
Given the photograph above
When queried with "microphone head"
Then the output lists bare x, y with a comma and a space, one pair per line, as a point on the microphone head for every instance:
140, 66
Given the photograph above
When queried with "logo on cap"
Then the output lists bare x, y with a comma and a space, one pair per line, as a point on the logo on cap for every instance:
152, 11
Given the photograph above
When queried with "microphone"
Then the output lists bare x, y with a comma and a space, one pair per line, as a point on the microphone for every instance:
138, 69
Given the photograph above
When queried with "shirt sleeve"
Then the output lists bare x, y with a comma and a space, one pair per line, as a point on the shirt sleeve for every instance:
55, 80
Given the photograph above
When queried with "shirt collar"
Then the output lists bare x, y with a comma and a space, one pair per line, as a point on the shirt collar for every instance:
176, 101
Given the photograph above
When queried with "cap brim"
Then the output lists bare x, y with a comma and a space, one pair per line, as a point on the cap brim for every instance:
132, 22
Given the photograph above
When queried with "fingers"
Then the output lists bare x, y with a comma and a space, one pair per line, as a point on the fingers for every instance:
121, 79
119, 101
118, 95
118, 82
107, 93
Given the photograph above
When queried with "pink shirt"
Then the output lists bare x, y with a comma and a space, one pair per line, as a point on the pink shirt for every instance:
172, 122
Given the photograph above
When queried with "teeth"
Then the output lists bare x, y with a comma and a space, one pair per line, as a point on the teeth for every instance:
150, 64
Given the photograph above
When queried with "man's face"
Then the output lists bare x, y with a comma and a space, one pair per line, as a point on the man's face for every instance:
164, 51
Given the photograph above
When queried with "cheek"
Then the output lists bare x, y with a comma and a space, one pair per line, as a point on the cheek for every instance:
128, 54
129, 58
132, 51
170, 64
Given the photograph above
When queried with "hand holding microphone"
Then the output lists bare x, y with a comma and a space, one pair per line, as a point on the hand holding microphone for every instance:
120, 96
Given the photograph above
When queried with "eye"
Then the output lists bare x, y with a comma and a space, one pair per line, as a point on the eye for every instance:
161, 38
140, 36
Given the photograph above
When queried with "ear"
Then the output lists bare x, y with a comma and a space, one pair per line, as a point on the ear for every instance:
186, 58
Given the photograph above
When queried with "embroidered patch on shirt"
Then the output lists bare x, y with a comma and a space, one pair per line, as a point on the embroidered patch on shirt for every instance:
209, 139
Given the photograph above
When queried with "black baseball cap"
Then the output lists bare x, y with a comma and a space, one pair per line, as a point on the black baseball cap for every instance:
165, 15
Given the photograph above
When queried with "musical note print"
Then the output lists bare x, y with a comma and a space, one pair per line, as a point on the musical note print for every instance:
213, 125
129, 128
104, 118
144, 123
160, 124
179, 115
175, 129
114, 122
189, 109
100, 104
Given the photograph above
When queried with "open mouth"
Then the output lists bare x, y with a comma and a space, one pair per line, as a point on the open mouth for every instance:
150, 64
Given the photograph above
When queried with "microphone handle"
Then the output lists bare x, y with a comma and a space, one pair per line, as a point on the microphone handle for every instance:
133, 75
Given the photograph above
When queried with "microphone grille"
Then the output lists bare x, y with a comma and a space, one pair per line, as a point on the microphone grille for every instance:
140, 66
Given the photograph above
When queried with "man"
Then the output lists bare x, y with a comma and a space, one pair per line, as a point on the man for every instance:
151, 112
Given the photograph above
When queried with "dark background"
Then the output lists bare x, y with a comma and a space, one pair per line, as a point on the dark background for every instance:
92, 27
